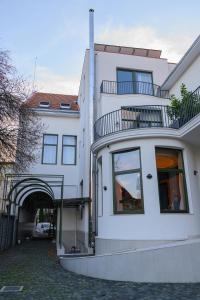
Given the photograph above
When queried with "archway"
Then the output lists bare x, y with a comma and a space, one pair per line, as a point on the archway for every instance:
36, 216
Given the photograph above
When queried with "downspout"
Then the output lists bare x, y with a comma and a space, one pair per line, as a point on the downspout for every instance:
91, 110
91, 74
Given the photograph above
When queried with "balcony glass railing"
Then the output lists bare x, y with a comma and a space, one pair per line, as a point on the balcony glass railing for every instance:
132, 87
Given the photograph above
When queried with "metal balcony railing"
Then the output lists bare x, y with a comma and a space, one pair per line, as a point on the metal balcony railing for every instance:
154, 116
132, 87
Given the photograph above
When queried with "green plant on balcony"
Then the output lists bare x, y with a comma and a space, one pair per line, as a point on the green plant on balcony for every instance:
183, 109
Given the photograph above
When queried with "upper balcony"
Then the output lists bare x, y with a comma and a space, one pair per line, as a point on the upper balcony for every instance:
132, 87
146, 116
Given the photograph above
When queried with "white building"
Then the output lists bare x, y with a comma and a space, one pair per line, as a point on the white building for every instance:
146, 210
140, 169
52, 181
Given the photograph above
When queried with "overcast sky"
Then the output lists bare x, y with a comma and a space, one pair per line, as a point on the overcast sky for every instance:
56, 32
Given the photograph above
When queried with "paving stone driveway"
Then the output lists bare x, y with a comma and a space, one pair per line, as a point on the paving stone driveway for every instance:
35, 266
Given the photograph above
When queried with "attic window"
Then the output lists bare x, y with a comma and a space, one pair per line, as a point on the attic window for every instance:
44, 104
65, 105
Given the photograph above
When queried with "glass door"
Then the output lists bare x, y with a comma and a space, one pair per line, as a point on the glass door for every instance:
124, 82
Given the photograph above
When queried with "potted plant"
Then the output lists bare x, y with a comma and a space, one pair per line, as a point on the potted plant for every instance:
183, 109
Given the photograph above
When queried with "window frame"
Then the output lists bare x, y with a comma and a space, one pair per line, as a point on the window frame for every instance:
73, 146
132, 171
174, 171
133, 71
99, 190
43, 145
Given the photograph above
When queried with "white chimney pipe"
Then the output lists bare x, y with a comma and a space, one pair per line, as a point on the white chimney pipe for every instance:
91, 115
91, 73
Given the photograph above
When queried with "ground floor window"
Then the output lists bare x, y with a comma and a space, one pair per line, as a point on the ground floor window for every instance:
127, 182
171, 180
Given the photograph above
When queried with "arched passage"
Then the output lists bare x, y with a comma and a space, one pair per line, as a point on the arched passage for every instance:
25, 199
29, 215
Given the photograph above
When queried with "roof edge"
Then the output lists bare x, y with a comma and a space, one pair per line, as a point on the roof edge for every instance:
183, 64
127, 50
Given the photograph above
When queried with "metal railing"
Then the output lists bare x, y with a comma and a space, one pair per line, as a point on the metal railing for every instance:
132, 87
151, 116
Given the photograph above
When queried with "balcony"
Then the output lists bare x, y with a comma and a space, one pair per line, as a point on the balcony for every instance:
136, 117
132, 87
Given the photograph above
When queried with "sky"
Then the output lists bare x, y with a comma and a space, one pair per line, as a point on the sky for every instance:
54, 33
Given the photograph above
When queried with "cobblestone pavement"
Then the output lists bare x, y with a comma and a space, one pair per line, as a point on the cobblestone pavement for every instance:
35, 266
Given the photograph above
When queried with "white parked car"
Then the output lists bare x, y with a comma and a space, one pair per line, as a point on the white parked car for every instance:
42, 228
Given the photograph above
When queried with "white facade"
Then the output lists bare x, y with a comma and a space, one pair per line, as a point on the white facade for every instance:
155, 207
60, 123
155, 234
55, 174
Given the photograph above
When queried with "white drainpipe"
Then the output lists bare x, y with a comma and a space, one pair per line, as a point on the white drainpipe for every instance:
91, 111
91, 73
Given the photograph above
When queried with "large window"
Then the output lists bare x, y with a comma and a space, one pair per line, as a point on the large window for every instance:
134, 82
49, 151
69, 150
127, 182
171, 180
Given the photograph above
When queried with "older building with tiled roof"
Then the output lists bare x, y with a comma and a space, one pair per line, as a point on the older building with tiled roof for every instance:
53, 101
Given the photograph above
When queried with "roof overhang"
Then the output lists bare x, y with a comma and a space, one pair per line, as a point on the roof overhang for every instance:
183, 65
72, 202
57, 112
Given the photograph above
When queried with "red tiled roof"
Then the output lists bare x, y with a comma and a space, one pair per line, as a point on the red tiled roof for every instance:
54, 100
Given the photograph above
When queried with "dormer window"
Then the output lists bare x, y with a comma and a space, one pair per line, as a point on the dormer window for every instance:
44, 104
65, 105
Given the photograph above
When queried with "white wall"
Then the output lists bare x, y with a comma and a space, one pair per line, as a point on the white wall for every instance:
107, 63
106, 69
109, 103
84, 131
178, 262
190, 78
61, 124
152, 225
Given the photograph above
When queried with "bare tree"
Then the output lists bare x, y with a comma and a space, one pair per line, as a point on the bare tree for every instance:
20, 128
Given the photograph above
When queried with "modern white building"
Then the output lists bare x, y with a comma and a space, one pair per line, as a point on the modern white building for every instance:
146, 209
121, 146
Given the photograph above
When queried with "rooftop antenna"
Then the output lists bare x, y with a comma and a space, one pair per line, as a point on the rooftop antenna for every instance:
34, 73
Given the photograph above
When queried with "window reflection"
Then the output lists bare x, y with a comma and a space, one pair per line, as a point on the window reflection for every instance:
171, 180
127, 181
128, 192
127, 160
